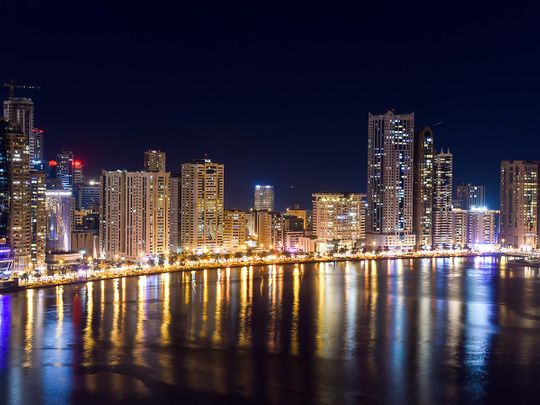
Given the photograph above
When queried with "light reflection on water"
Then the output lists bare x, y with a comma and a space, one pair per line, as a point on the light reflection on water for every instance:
426, 330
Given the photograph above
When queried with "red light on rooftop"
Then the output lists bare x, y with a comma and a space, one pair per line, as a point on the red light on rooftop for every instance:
77, 164
37, 131
52, 163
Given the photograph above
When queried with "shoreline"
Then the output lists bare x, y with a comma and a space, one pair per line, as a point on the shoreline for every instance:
214, 266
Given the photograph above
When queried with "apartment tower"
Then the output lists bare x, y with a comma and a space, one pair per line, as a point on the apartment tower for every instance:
201, 212
389, 221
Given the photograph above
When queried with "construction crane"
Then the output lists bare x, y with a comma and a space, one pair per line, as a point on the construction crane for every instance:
11, 86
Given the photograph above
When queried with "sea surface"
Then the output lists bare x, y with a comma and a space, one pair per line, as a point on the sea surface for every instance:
394, 331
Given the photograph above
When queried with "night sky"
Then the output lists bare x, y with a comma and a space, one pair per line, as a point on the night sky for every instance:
277, 92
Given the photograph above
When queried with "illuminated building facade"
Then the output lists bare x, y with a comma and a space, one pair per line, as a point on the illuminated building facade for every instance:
89, 196
58, 206
134, 214
390, 179
20, 111
154, 161
483, 226
64, 169
264, 198
459, 227
174, 214
442, 200
338, 216
423, 187
39, 218
519, 203
78, 175
38, 135
15, 195
470, 196
475, 227
270, 230
235, 230
201, 212
294, 241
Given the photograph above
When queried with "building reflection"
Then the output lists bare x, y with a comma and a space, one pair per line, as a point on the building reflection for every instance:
427, 331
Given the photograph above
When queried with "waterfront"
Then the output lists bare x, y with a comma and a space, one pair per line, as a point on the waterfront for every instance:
403, 330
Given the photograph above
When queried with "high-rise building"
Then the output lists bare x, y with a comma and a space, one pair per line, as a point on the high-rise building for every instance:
39, 218
423, 187
264, 198
134, 214
235, 232
38, 145
338, 216
519, 203
174, 214
483, 226
471, 196
154, 161
459, 225
442, 200
475, 227
64, 169
78, 175
201, 213
389, 221
15, 195
89, 196
270, 230
58, 205
19, 111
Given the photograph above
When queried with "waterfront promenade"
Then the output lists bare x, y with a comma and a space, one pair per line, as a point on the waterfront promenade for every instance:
82, 276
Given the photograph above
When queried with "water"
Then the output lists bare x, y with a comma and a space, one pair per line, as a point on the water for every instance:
423, 331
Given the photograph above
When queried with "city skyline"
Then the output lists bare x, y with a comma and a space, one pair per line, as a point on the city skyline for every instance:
269, 202
287, 196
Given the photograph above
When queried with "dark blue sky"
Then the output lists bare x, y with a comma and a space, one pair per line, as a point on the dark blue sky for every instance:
278, 91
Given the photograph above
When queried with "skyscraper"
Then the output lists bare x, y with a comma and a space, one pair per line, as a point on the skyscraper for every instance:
134, 214
78, 175
15, 195
519, 203
64, 169
174, 214
38, 144
201, 215
471, 196
390, 180
263, 198
423, 187
19, 111
154, 161
89, 196
442, 200
39, 218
